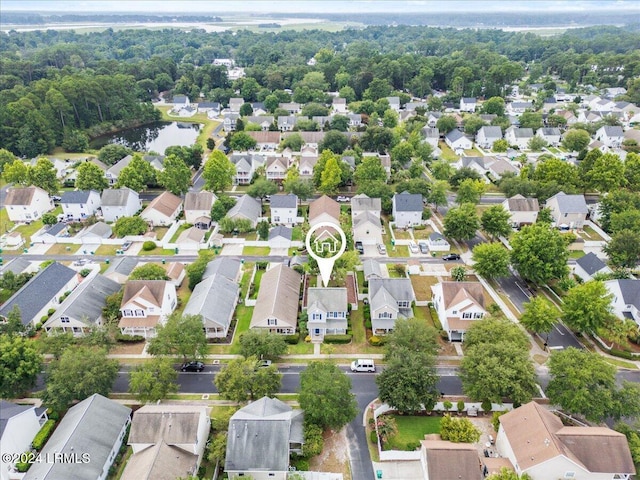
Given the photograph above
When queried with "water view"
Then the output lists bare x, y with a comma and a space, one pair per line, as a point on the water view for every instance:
155, 137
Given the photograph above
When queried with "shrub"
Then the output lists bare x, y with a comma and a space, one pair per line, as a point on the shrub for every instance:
307, 339
292, 339
373, 436
412, 446
43, 435
53, 414
622, 354
495, 419
43, 319
262, 265
51, 311
420, 227
313, 440
460, 406
375, 341
23, 466
458, 430
129, 338
337, 338
148, 245
85, 272
486, 406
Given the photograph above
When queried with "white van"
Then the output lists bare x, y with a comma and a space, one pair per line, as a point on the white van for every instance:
363, 365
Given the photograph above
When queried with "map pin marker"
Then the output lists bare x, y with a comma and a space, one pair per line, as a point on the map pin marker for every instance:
325, 240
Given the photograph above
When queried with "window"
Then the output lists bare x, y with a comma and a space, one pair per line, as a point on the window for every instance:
272, 321
316, 316
466, 316
455, 312
139, 313
276, 219
570, 475
127, 313
64, 319
478, 315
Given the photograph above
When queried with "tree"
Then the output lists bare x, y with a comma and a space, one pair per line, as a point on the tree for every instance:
492, 328
461, 223
463, 174
494, 105
339, 123
325, 396
262, 188
218, 172
496, 221
221, 206
176, 176
20, 364
370, 170
263, 230
584, 383
508, 474
539, 253
129, 226
377, 139
402, 153
137, 175
335, 141
491, 260
458, 273
536, 144
13, 323
438, 193
17, 173
77, 374
149, 271
331, 177
293, 141
262, 345
539, 316
446, 123
631, 170
154, 380
500, 145
90, 177
240, 380
6, 158
472, 124
302, 188
112, 153
531, 120
458, 430
182, 335
246, 110
624, 249
470, 191
242, 141
211, 143
44, 175
607, 173
587, 306
576, 140
49, 218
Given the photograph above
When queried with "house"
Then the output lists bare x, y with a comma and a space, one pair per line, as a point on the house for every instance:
80, 204
266, 140
276, 308
276, 168
280, 237
51, 233
322, 121
394, 103
44, 291
355, 119
389, 299
246, 165
235, 73
264, 122
119, 202
589, 265
82, 309
261, 437
226, 267
181, 100
95, 233
361, 203
229, 121
458, 305
26, 204
235, 104
517, 108
431, 136
163, 210
446, 460
474, 163
626, 298
197, 208
487, 135
284, 209
291, 107
568, 210
90, 433
145, 304
306, 165
365, 219
19, 424
468, 104
498, 166
286, 123
311, 141
120, 269
432, 118
327, 312
611, 136
339, 105
324, 209
523, 211
191, 238
537, 443
385, 160
19, 265
258, 108
457, 140
437, 243
371, 269
168, 442
212, 109
552, 136
175, 272
519, 137
407, 209
246, 207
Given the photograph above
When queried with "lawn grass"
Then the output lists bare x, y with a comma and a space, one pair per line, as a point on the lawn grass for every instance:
5, 223
412, 429
296, 234
620, 363
401, 234
256, 251
256, 283
591, 234
158, 251
181, 229
447, 154
107, 250
61, 249
422, 286
27, 230
575, 254
393, 273
183, 293
422, 234
246, 278
357, 325
301, 348
360, 278
160, 232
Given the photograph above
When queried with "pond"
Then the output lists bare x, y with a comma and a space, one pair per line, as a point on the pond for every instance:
155, 137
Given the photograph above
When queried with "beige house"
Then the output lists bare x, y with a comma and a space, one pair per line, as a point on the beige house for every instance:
163, 210
448, 460
523, 211
276, 308
458, 305
324, 209
145, 304
27, 204
197, 208
537, 443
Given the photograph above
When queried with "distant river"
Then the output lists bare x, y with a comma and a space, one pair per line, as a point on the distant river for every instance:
155, 137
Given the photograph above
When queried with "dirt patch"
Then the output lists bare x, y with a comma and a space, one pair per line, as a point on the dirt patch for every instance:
334, 457
127, 348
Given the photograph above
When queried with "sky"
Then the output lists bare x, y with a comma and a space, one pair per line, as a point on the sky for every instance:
315, 6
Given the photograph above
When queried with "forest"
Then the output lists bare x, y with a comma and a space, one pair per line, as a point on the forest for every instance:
59, 88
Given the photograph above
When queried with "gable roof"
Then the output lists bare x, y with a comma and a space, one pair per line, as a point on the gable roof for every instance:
21, 196
408, 202
389, 290
570, 203
491, 131
366, 217
278, 297
17, 265
259, 436
99, 229
613, 131
247, 207
166, 203
76, 196
36, 293
284, 201
117, 197
327, 299
9, 410
629, 290
590, 263
324, 204
521, 132
455, 135
122, 265
265, 137
452, 461
281, 231
455, 292
215, 299
224, 266
151, 290
93, 426
519, 203
362, 202
199, 200
371, 267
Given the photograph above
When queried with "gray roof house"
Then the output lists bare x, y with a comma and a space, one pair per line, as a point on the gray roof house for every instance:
19, 424
589, 265
224, 266
280, 237
246, 207
95, 233
327, 312
95, 428
389, 299
41, 293
487, 135
82, 310
371, 270
457, 140
121, 268
215, 299
407, 209
119, 202
626, 298
568, 210
261, 437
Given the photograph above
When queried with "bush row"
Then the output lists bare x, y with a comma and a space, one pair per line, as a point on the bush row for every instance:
337, 338
42, 436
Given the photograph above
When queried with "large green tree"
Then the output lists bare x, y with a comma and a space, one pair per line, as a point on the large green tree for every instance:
130, 226
491, 260
138, 175
16, 172
20, 363
370, 170
181, 335
262, 188
624, 249
149, 271
262, 345
90, 177
539, 253
325, 396
240, 380
330, 178
587, 306
539, 315
576, 140
218, 172
461, 223
112, 153
470, 191
44, 175
496, 221
176, 175
153, 380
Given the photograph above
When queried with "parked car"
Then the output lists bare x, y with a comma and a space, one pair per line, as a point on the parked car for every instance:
192, 367
342, 199
382, 250
360, 247
423, 247
451, 256
126, 245
413, 247
263, 363
55, 198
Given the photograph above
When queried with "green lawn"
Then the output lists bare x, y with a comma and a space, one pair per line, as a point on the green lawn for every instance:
27, 230
181, 229
256, 283
447, 153
296, 234
575, 254
61, 249
107, 250
413, 429
246, 277
301, 348
357, 325
422, 234
5, 223
158, 251
256, 251
360, 277
401, 234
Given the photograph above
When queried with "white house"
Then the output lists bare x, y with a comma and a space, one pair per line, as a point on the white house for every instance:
280, 237
519, 137
517, 108
537, 443
327, 312
365, 219
145, 304
276, 168
19, 424
246, 207
284, 209
26, 204
229, 121
431, 136
80, 204
339, 105
235, 104
626, 298
568, 210
550, 135
458, 305
246, 165
468, 104
457, 140
389, 299
407, 209
487, 135
523, 211
589, 265
287, 122
197, 208
324, 209
163, 210
119, 202
437, 243
611, 136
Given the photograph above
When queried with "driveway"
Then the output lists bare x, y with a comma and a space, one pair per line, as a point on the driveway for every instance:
234, 249
279, 252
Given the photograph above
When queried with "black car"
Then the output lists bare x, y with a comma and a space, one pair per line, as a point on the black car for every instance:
360, 247
451, 256
192, 367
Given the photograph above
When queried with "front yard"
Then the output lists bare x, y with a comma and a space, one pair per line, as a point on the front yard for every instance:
256, 251
63, 249
422, 286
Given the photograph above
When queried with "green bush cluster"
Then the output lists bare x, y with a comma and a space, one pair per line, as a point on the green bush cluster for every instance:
120, 337
373, 436
292, 339
43, 435
148, 246
337, 338
376, 341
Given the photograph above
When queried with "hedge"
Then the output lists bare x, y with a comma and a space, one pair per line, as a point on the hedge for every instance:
148, 246
622, 354
120, 337
337, 338
292, 339
23, 466
43, 435
373, 436
376, 341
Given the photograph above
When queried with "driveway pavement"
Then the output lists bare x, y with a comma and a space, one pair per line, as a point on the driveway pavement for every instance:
234, 249
279, 252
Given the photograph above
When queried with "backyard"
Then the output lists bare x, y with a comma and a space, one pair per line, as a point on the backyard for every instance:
422, 286
411, 430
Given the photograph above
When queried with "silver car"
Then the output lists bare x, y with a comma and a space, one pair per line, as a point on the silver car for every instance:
382, 250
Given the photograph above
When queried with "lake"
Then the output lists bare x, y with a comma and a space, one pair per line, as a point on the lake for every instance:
155, 137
